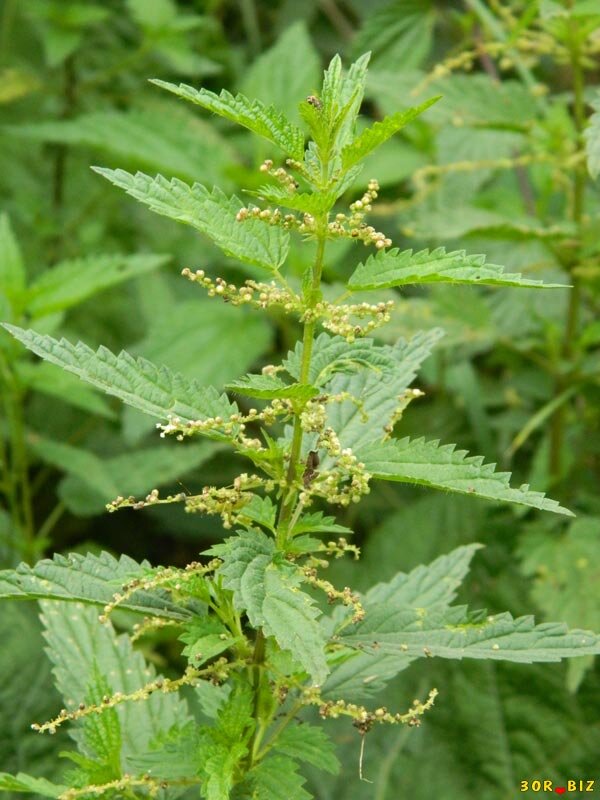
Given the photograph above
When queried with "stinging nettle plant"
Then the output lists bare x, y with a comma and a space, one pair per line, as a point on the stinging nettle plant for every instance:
260, 650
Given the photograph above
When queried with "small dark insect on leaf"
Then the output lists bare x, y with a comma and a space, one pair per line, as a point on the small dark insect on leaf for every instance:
310, 471
314, 101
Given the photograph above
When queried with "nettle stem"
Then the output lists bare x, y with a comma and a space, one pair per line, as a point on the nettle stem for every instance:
289, 502
311, 297
258, 659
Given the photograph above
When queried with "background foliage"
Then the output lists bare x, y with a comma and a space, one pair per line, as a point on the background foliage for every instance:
496, 167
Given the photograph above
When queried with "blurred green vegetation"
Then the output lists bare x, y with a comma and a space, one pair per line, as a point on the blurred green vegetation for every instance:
497, 167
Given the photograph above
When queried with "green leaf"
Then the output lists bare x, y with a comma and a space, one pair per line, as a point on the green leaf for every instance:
245, 559
71, 282
398, 33
219, 770
592, 139
380, 132
205, 638
269, 387
453, 633
49, 380
341, 97
427, 586
81, 647
332, 125
26, 694
564, 570
235, 720
170, 140
266, 121
152, 389
317, 522
12, 269
224, 346
268, 592
99, 738
225, 745
286, 72
309, 202
310, 744
87, 579
375, 375
28, 784
174, 756
212, 213
443, 467
290, 616
277, 778
433, 586
395, 268
260, 510
333, 354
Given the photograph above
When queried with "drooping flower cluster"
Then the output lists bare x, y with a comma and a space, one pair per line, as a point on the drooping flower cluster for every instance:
342, 319
352, 225
364, 719
347, 225
233, 426
252, 293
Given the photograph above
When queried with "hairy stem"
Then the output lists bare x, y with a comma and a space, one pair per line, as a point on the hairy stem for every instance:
286, 512
257, 662
311, 298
